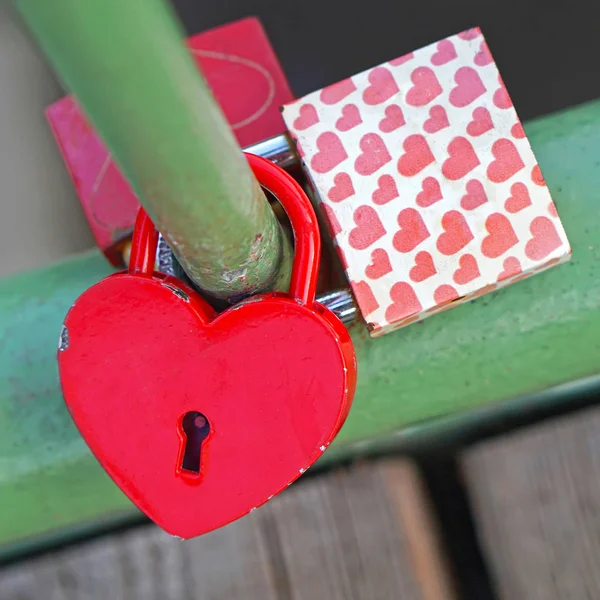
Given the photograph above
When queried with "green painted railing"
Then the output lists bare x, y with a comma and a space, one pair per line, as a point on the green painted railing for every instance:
534, 335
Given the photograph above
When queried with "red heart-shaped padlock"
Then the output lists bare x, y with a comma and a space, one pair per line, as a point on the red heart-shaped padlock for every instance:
199, 417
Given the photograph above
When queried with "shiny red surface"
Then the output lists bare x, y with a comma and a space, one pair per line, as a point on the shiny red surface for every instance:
274, 376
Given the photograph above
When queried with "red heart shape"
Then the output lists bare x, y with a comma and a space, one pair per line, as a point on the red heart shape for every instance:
481, 123
333, 225
545, 239
517, 131
350, 118
405, 302
368, 230
470, 34
331, 153
444, 294
511, 266
374, 155
128, 391
501, 236
484, 56
438, 119
445, 53
520, 198
386, 191
462, 159
342, 188
468, 87
467, 271
417, 155
431, 193
364, 297
383, 86
412, 232
307, 117
396, 62
456, 235
336, 92
536, 176
508, 161
475, 195
380, 264
426, 87
424, 267
501, 97
394, 118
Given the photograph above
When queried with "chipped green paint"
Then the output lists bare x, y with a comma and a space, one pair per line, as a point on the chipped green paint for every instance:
529, 337
158, 117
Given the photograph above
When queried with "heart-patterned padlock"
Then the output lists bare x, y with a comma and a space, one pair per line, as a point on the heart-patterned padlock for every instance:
199, 417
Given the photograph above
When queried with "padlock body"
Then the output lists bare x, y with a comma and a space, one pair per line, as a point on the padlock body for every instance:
273, 377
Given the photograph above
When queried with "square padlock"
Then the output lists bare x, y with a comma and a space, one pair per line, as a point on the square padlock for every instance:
429, 185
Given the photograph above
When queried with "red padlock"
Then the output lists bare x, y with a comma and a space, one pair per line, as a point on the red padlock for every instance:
199, 417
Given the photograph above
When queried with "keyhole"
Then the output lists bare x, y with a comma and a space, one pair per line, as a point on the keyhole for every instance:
195, 429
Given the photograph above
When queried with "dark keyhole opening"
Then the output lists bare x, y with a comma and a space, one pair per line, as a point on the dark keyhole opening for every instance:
196, 429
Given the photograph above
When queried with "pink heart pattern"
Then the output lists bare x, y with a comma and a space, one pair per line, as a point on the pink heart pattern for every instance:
350, 118
445, 53
428, 183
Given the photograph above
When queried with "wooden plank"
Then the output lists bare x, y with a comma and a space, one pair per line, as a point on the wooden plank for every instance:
147, 564
358, 534
341, 540
536, 500
409, 498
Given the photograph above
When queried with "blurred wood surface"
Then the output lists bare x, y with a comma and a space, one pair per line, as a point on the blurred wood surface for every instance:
365, 533
536, 501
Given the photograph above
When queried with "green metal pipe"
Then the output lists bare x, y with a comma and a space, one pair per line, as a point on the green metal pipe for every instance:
127, 64
529, 337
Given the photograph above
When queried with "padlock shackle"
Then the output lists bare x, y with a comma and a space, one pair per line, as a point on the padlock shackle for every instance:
307, 240
143, 245
295, 202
